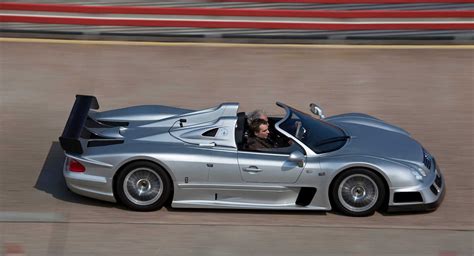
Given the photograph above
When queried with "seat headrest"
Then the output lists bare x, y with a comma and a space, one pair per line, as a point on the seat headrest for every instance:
240, 128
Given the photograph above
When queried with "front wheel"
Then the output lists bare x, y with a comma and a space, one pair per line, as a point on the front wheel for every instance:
358, 192
143, 186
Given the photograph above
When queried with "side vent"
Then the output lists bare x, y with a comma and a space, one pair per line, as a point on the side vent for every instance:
92, 123
95, 140
305, 196
407, 197
115, 123
101, 143
211, 133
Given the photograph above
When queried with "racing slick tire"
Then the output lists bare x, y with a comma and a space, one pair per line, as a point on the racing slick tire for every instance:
143, 186
358, 192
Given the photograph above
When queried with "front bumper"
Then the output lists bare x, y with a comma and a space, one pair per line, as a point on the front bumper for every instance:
432, 193
419, 207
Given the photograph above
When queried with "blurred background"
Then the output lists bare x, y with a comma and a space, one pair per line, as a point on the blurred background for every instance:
409, 63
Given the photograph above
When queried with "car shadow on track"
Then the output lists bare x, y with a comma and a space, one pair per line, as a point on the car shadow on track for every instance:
402, 213
246, 211
51, 180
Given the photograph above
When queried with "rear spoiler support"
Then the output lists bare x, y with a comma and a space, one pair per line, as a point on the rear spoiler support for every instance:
69, 140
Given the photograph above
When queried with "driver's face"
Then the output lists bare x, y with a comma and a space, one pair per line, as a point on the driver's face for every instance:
263, 131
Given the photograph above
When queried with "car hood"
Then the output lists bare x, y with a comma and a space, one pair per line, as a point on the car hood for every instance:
372, 136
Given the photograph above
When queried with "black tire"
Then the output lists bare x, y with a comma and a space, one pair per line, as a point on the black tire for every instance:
358, 192
143, 186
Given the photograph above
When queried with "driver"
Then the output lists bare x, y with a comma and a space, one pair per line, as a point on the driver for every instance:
258, 138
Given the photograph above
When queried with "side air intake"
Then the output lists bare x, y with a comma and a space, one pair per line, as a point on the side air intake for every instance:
305, 196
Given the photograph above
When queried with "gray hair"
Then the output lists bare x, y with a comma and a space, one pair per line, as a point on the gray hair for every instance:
256, 114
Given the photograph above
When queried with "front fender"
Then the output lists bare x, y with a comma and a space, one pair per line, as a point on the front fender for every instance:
395, 174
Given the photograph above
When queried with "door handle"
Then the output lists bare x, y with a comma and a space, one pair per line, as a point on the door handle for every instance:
207, 145
252, 169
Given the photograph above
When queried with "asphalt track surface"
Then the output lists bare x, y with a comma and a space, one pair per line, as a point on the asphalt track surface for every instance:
428, 92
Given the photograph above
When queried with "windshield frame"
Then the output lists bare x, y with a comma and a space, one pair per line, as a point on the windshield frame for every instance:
290, 111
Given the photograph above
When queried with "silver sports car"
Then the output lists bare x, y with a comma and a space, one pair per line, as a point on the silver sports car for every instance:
145, 156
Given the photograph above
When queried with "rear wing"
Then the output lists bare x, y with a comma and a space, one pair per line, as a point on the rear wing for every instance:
69, 140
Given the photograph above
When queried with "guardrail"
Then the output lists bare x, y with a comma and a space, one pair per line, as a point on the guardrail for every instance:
236, 12
281, 23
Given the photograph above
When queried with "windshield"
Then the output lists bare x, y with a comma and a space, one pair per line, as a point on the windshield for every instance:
320, 136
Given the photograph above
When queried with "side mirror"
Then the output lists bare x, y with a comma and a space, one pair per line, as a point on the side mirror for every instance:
297, 157
315, 109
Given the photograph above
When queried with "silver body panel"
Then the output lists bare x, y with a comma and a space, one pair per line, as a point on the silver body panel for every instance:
211, 172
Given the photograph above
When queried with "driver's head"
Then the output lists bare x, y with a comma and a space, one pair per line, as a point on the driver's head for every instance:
257, 114
259, 128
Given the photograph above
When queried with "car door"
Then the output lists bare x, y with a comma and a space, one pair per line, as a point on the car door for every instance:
268, 167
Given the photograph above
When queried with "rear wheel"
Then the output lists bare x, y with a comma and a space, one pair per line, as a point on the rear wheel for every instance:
358, 192
143, 186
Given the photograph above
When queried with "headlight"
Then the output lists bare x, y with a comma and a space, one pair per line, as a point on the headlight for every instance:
418, 172
417, 175
421, 171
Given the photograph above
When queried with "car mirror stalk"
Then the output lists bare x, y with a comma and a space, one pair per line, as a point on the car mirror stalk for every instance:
297, 157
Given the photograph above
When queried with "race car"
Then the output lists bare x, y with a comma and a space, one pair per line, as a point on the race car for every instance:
146, 156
